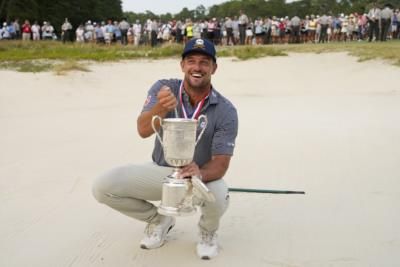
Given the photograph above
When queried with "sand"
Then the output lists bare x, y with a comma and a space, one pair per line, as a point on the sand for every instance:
325, 124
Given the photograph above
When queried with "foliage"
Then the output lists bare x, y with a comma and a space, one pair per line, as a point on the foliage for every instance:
263, 8
55, 11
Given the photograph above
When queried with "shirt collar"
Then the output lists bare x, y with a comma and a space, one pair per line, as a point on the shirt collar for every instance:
212, 98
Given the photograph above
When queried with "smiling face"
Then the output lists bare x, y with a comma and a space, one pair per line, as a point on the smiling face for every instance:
198, 69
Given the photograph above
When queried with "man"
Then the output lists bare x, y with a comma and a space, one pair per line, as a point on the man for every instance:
374, 16
211, 27
386, 16
124, 26
117, 33
17, 28
66, 30
153, 32
166, 29
99, 34
4, 33
35, 31
11, 31
80, 34
229, 31
243, 21
295, 30
137, 32
47, 31
89, 31
128, 188
324, 21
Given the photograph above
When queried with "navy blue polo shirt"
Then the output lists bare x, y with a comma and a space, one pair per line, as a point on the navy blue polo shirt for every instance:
221, 131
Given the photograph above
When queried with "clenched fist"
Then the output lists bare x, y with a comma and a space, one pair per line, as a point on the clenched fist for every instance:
166, 99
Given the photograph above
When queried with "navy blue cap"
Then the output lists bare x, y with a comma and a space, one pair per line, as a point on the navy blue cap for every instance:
199, 45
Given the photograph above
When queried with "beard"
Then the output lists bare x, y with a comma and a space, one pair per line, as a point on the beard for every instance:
198, 85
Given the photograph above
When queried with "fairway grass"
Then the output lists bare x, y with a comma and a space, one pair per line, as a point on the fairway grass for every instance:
61, 58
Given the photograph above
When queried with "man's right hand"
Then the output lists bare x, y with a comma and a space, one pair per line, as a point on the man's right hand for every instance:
166, 99
166, 103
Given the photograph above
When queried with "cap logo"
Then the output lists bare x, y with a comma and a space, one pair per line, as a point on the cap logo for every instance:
199, 44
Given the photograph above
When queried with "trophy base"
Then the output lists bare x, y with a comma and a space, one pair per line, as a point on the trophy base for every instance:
169, 211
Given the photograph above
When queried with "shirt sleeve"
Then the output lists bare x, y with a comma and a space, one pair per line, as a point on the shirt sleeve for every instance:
151, 98
225, 133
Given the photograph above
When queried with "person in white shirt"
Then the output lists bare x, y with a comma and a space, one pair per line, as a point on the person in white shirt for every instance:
89, 31
137, 32
166, 31
4, 33
35, 31
243, 21
80, 34
66, 30
374, 21
47, 31
386, 17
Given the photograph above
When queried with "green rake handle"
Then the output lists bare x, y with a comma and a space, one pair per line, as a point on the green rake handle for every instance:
265, 191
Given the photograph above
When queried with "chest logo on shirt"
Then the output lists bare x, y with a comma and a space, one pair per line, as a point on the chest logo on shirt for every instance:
202, 124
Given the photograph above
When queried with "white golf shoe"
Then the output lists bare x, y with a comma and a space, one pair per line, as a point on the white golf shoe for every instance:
207, 247
155, 233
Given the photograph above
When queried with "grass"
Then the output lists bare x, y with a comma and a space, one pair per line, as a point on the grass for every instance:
388, 51
70, 65
251, 52
61, 58
27, 66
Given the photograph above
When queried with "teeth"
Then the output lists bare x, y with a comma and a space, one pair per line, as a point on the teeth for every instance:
196, 75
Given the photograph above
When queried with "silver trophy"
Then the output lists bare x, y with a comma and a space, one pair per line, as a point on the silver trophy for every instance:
179, 142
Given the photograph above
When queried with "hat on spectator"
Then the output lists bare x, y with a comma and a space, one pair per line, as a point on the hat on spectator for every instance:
200, 45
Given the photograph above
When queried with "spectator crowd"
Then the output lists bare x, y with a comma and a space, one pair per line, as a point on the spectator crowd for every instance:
379, 24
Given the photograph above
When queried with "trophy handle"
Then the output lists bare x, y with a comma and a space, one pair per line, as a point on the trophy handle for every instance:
156, 117
201, 117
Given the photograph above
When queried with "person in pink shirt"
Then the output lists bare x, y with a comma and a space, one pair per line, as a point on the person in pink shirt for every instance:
362, 22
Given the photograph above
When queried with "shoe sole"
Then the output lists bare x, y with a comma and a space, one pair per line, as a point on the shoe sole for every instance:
169, 229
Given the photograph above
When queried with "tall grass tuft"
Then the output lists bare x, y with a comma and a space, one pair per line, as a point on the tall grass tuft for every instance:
70, 65
250, 52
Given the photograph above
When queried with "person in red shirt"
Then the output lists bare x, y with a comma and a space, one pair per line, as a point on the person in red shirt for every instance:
26, 31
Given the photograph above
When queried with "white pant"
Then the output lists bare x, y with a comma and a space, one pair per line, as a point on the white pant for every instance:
137, 39
127, 189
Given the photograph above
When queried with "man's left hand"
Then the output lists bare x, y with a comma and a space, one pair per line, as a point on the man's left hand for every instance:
190, 170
